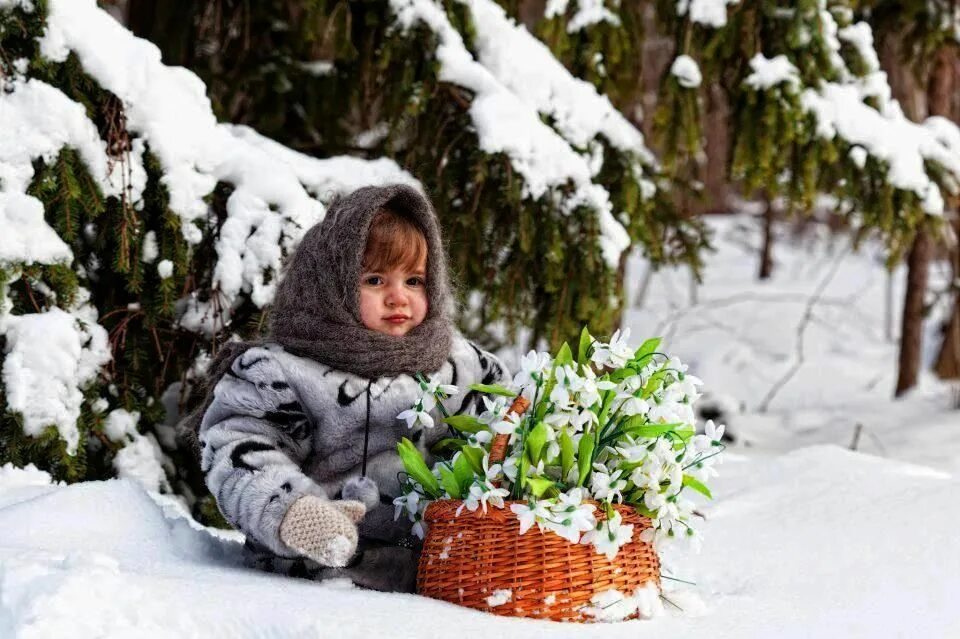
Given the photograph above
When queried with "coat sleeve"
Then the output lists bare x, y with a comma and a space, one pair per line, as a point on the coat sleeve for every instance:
254, 439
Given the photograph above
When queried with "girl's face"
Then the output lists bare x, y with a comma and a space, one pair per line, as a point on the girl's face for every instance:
394, 301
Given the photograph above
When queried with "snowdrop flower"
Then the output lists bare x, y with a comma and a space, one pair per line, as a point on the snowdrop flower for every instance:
409, 502
495, 410
490, 472
446, 390
532, 365
416, 415
480, 438
507, 425
607, 487
631, 405
616, 353
481, 494
584, 417
587, 388
510, 465
530, 513
609, 536
711, 436
419, 528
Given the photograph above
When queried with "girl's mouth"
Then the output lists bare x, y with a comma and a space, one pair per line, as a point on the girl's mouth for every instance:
397, 319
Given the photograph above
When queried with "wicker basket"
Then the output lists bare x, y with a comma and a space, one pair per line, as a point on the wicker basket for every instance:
466, 558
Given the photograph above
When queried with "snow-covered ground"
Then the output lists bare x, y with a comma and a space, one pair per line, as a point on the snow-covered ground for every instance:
805, 538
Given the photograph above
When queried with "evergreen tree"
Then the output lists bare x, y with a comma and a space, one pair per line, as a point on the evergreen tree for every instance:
139, 234
425, 83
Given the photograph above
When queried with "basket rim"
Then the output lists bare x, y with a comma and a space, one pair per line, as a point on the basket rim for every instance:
443, 509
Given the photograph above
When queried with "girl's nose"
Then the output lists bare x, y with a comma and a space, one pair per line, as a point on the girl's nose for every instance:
396, 296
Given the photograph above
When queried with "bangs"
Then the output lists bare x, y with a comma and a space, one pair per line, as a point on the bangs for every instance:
393, 241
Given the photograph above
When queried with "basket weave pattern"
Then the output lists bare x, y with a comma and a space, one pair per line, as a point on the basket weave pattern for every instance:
466, 558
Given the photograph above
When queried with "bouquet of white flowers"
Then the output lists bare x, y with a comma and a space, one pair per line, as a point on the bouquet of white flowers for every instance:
613, 427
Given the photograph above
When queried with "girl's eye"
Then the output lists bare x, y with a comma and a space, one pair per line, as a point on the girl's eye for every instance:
373, 280
415, 281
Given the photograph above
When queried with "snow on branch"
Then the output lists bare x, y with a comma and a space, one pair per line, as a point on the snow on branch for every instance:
272, 203
509, 122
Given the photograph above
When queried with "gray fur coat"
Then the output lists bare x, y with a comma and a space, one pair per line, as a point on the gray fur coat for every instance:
282, 426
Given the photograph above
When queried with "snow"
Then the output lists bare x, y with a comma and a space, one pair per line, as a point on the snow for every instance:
709, 13
588, 13
499, 597
165, 267
120, 423
515, 79
685, 69
769, 72
50, 357
150, 248
804, 537
27, 238
167, 108
902, 145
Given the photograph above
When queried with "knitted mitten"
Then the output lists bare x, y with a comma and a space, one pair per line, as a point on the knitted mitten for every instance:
323, 530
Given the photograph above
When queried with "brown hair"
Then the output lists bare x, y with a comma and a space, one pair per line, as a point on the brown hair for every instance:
393, 240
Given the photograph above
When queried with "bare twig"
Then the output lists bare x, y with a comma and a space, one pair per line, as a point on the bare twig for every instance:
801, 330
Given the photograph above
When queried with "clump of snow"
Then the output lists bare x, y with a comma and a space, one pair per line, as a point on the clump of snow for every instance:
26, 237
588, 13
150, 248
685, 69
710, 13
769, 72
120, 424
860, 36
165, 267
499, 597
141, 460
613, 605
12, 476
50, 357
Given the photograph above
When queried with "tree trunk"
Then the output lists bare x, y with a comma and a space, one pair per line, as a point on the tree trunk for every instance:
911, 333
948, 361
939, 93
766, 251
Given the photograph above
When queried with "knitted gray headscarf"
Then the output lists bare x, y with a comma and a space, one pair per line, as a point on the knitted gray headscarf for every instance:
316, 310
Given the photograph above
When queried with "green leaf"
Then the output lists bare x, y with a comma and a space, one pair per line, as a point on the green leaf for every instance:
564, 356
475, 457
643, 510
447, 443
539, 485
584, 349
536, 440
492, 389
463, 471
648, 347
416, 467
450, 482
654, 383
522, 471
649, 430
566, 454
621, 374
465, 423
585, 456
697, 486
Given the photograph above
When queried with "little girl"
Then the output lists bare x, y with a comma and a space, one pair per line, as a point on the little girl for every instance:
298, 440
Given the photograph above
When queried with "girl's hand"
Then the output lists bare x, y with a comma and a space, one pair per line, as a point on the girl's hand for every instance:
323, 530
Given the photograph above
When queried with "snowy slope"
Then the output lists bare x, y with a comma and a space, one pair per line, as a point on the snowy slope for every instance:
819, 542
